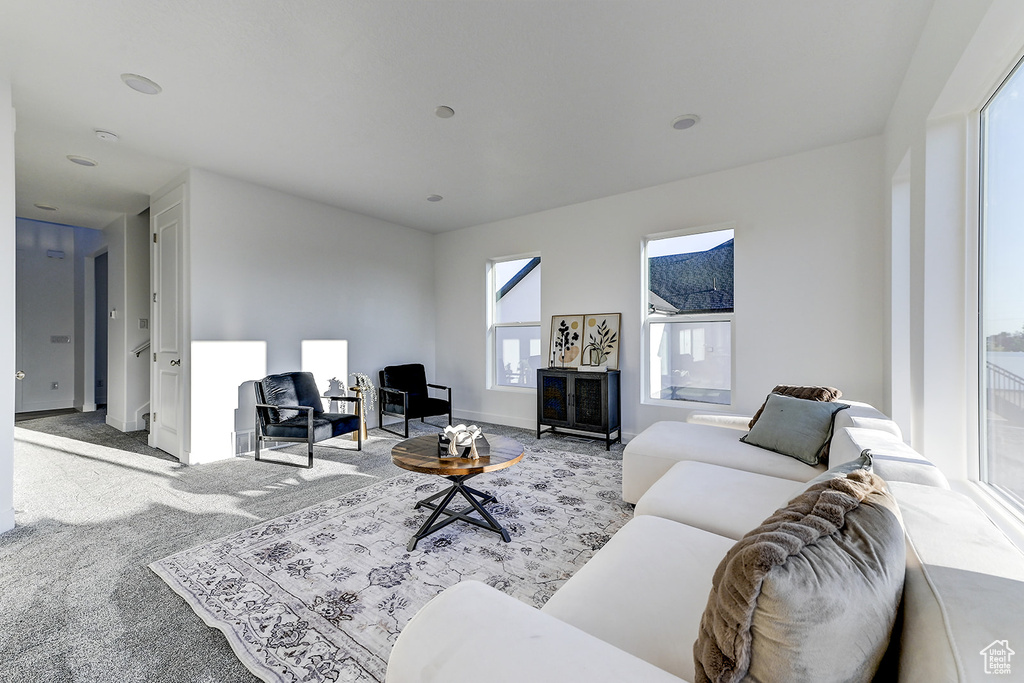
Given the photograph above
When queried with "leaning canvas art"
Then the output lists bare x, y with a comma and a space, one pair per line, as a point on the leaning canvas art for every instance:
600, 341
566, 340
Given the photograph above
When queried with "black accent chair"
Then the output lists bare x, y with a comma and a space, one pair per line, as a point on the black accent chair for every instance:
288, 408
403, 392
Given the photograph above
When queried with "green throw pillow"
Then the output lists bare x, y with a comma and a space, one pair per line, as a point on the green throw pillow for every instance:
795, 427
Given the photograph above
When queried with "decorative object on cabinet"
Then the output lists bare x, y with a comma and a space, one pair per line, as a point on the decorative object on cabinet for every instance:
566, 337
580, 401
600, 341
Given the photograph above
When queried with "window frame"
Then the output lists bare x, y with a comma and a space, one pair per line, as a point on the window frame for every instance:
647, 318
492, 326
1009, 501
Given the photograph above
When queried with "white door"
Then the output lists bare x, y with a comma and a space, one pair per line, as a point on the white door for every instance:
166, 400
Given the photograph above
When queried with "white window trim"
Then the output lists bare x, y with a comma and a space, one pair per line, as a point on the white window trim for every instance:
491, 370
647, 318
1002, 507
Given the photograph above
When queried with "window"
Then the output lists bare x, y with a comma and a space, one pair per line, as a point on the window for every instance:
515, 321
1002, 282
688, 294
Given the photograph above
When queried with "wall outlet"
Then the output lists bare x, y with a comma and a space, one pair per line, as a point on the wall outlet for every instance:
143, 324
99, 383
54, 385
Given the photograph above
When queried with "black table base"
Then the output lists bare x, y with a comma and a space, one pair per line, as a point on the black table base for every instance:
477, 500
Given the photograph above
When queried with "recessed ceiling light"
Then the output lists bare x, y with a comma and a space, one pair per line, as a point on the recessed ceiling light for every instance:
685, 121
82, 161
45, 207
444, 112
141, 84
434, 198
106, 135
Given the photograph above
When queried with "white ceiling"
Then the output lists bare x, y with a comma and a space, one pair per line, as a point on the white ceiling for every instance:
556, 101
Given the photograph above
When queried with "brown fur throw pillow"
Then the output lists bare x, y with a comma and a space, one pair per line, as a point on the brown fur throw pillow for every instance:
812, 593
809, 393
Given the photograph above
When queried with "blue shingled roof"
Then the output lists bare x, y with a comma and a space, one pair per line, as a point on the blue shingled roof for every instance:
699, 282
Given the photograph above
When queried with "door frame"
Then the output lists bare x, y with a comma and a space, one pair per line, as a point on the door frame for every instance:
89, 330
165, 199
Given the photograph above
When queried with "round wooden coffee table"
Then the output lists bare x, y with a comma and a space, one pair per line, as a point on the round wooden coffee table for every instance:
419, 454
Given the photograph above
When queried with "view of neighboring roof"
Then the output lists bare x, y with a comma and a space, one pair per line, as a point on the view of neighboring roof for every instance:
698, 282
518, 277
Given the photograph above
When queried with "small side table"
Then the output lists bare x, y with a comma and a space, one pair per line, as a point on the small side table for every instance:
419, 454
362, 412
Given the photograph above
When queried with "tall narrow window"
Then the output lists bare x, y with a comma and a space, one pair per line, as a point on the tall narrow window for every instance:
1002, 289
515, 321
688, 323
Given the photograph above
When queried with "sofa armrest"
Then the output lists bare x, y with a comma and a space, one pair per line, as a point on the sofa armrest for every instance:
472, 632
731, 421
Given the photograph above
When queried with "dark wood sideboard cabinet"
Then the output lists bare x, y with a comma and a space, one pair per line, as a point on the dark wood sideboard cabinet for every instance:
580, 401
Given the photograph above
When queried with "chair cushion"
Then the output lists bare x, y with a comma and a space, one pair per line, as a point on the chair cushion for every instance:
419, 405
291, 389
810, 595
325, 426
410, 377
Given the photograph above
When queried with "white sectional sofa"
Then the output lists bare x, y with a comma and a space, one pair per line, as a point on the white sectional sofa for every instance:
634, 611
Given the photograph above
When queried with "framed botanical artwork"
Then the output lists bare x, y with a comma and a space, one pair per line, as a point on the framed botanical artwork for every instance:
600, 343
566, 340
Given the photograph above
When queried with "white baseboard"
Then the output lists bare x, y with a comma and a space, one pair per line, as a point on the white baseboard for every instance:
88, 408
119, 425
475, 416
46, 405
522, 423
6, 520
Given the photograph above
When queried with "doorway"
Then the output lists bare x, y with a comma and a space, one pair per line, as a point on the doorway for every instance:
100, 349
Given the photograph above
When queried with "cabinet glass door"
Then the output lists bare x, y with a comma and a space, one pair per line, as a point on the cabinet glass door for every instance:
554, 399
589, 401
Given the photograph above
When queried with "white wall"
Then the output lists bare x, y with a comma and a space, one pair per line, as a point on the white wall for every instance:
7, 259
45, 308
965, 50
276, 269
810, 278
128, 374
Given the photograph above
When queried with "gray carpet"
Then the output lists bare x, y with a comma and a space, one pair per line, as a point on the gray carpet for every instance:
94, 507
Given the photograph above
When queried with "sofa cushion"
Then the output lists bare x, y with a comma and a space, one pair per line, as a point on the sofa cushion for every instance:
471, 632
811, 594
964, 590
643, 592
808, 393
863, 462
891, 459
718, 499
866, 416
652, 452
795, 427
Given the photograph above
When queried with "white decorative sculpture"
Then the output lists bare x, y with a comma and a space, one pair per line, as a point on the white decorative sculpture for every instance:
461, 436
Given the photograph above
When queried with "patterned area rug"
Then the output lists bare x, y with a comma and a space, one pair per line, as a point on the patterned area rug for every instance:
321, 594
